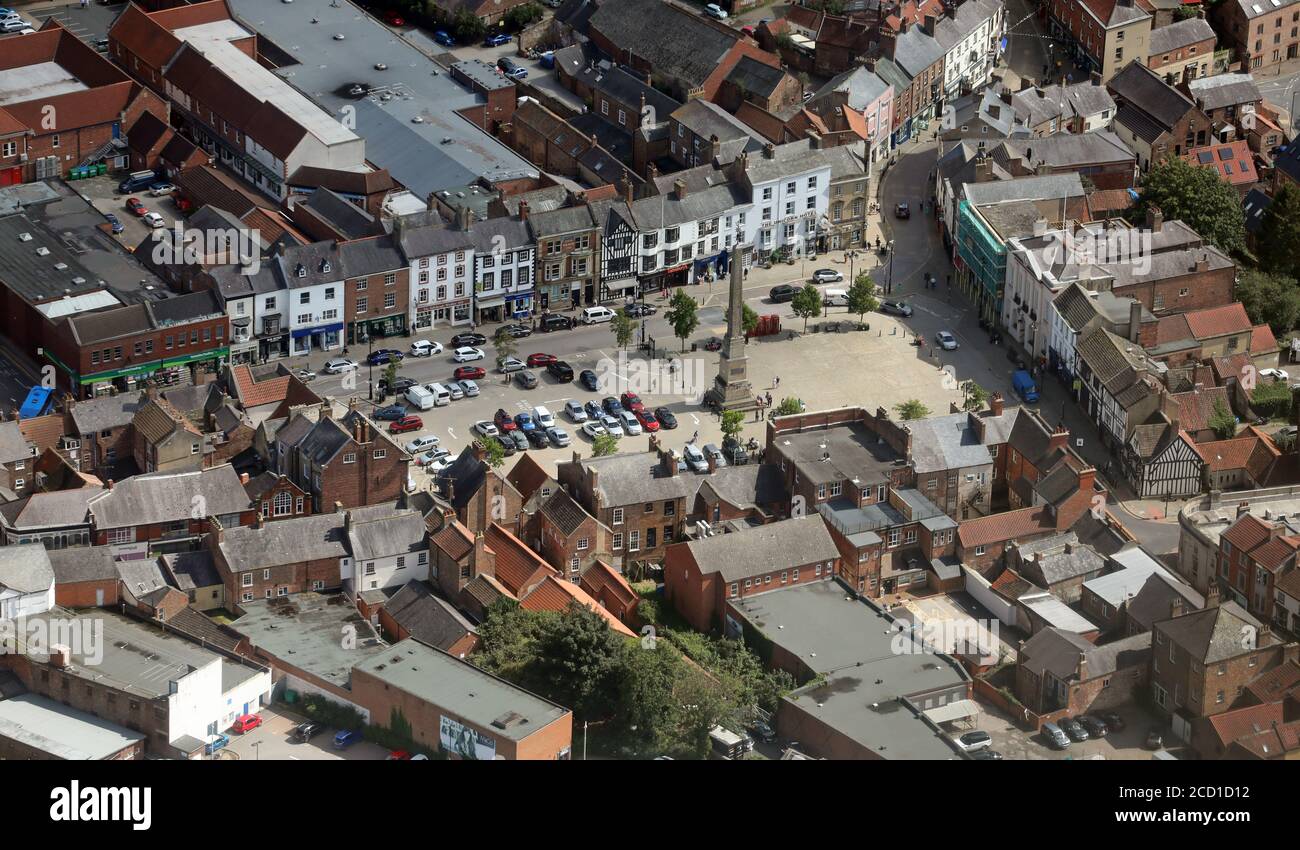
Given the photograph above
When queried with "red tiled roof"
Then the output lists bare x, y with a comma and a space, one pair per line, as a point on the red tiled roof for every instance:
1195, 408
1105, 201
43, 431
1262, 340
1231, 725
1224, 455
1234, 162
454, 539
254, 393
556, 594
1231, 366
74, 110
1247, 532
999, 528
1276, 683
1273, 742
1218, 321
527, 475
600, 576
517, 566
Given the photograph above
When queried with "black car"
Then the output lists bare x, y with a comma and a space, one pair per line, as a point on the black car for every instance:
468, 339
1073, 728
897, 308
560, 371
1095, 725
518, 438
1155, 739
307, 731
1114, 723
555, 322
537, 437
384, 356
505, 442
784, 292
666, 419
399, 386
526, 379
986, 755
589, 380
519, 331
391, 413
640, 309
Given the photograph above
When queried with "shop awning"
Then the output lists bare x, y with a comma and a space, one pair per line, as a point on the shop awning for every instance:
957, 710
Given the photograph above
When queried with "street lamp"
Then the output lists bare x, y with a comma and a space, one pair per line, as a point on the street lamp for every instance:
889, 284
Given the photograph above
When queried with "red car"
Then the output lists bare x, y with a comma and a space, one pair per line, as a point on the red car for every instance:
399, 755
136, 208
247, 723
468, 373
541, 359
631, 401
406, 423
394, 19
647, 419
504, 421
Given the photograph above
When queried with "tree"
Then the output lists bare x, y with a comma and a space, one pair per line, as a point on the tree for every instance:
467, 28
605, 444
1279, 234
911, 409
623, 326
1222, 422
1200, 199
390, 377
578, 659
493, 452
789, 406
505, 344
521, 16
862, 295
975, 396
1271, 299
807, 304
748, 319
733, 422
683, 315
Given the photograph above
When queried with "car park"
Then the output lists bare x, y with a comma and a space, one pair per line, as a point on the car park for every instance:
592, 428
896, 308
485, 428
524, 422
543, 417
1074, 729
503, 421
384, 356
425, 348
154, 220
631, 426
539, 359
469, 373
558, 436
946, 341
902, 211
421, 444
589, 380
467, 354
246, 723
594, 410
136, 208
973, 741
695, 458
510, 364
574, 411
712, 451
666, 419
518, 439
611, 405
464, 340
560, 371
392, 413
1056, 739
613, 425
647, 419
339, 365
827, 276
782, 293
469, 388
346, 738
526, 379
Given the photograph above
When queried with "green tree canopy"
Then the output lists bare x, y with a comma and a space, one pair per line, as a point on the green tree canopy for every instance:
623, 326
1222, 422
1271, 299
862, 295
683, 315
807, 304
1197, 197
749, 319
733, 422
975, 396
493, 452
1279, 234
911, 409
605, 444
789, 406
505, 344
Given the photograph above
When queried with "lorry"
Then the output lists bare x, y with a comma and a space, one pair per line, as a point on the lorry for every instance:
1023, 383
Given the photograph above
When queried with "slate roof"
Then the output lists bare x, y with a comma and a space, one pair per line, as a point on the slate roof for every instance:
83, 563
25, 568
106, 412
428, 617
378, 536
52, 509
1221, 90
1210, 635
765, 548
677, 43
169, 496
634, 478
563, 512
1056, 651
1139, 88
950, 442
193, 569
914, 51
751, 485
1152, 600
1185, 33
287, 541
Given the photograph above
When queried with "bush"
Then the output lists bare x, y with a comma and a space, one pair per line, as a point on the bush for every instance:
1271, 399
330, 713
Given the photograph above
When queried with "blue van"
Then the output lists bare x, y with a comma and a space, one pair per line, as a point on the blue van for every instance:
1024, 386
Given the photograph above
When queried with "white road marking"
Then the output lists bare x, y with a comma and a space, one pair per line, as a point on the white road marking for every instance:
451, 433
695, 418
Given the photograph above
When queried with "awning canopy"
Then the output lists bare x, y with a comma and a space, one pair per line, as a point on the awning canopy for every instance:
957, 710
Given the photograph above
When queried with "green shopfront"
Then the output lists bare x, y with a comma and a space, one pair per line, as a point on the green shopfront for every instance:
165, 372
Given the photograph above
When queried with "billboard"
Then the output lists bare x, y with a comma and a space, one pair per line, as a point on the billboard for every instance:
465, 742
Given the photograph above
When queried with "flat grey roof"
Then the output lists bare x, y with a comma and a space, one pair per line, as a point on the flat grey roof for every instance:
441, 150
462, 689
60, 730
306, 630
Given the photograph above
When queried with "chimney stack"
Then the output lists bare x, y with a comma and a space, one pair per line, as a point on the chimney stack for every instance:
927, 25
1088, 480
1134, 320
523, 211
1212, 594
1176, 606
1083, 667
1243, 509
679, 189
480, 451
1155, 219
1059, 439
996, 405
769, 151
1203, 263
464, 217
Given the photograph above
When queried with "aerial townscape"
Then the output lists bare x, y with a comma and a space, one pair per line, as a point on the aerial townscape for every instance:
649, 380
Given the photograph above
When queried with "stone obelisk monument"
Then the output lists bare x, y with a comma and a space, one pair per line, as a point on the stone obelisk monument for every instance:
731, 389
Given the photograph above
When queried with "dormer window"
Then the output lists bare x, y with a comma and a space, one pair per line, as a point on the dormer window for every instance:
324, 266
301, 270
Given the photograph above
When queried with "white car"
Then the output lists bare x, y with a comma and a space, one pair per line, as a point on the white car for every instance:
162, 190
631, 426
574, 411
973, 741
1275, 374
713, 10
433, 456
510, 364
486, 428
612, 425
465, 355
946, 341
593, 429
154, 220
543, 417
339, 365
425, 348
469, 388
420, 444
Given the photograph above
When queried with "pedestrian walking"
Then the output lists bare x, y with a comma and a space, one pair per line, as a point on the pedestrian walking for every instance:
769, 399
695, 436
776, 381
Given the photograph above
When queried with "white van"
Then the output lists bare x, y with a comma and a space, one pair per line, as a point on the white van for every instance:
420, 398
593, 315
835, 298
441, 395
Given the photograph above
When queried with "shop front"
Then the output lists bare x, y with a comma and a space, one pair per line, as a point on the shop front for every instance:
359, 333
317, 338
243, 348
678, 275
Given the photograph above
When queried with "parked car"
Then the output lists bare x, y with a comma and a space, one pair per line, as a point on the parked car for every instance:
1095, 725
574, 411
897, 308
665, 418
1155, 739
398, 755
246, 723
613, 425
136, 208
465, 340
640, 310
507, 445
592, 428
631, 425
560, 371
526, 379
782, 293
524, 422
902, 211
555, 322
469, 373
518, 331
161, 190
217, 742
114, 223
393, 19
1113, 721
631, 401
405, 424
712, 451
510, 364
485, 428
973, 741
305, 375
594, 410
986, 755
539, 359
763, 732
713, 10
647, 419
543, 417
425, 348
537, 439
827, 276
154, 220
306, 731
511, 68
444, 38
1275, 374
398, 386
469, 388
466, 354
946, 341
589, 380
611, 405
384, 356
432, 457
517, 439
695, 458
1056, 739
339, 365
392, 413
453, 389
1074, 729
346, 738
558, 436
496, 39
504, 421
421, 444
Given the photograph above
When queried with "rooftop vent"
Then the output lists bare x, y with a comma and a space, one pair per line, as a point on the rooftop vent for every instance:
24, 237
42, 252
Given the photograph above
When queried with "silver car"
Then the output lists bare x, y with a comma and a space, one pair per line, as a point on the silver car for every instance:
612, 425
695, 458
558, 436
510, 364
574, 411
339, 365
469, 388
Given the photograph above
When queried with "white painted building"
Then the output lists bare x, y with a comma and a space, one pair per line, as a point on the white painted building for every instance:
971, 36
504, 258
790, 188
26, 581
314, 299
442, 268
386, 549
